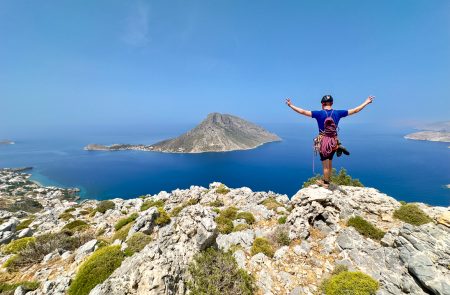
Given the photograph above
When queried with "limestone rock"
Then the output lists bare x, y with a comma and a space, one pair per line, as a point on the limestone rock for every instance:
160, 268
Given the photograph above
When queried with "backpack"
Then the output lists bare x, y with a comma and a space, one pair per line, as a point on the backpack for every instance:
327, 142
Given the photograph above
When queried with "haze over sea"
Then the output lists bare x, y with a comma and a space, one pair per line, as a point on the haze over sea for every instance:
380, 157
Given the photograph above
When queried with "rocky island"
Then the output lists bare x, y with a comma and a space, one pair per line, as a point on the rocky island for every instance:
217, 133
223, 240
7, 142
432, 132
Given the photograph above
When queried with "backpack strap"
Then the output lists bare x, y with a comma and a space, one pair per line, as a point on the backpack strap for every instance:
326, 113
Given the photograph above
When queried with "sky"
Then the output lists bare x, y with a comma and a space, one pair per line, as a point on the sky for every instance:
82, 63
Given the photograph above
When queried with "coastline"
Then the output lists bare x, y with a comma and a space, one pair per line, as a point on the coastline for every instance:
149, 148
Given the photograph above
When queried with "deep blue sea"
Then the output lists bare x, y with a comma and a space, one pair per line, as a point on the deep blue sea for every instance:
404, 169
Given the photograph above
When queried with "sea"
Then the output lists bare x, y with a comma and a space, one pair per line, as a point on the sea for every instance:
408, 170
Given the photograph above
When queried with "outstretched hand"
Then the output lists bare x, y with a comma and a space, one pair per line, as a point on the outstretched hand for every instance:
370, 99
288, 101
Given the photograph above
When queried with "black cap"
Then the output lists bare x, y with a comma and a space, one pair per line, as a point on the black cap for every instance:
327, 98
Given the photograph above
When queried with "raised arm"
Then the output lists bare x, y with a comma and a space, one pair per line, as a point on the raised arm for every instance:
297, 109
369, 100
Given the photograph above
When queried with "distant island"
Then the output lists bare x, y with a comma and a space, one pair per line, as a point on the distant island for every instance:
217, 133
6, 142
433, 132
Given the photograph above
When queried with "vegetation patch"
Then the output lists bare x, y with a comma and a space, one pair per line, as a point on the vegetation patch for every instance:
151, 203
281, 236
222, 189
224, 225
365, 228
7, 289
44, 244
215, 272
14, 247
163, 217
240, 227
282, 219
216, 203
249, 218
96, 269
69, 210
262, 245
124, 221
412, 214
122, 233
76, 225
24, 224
136, 243
104, 206
271, 203
66, 216
350, 282
341, 178
23, 204
225, 220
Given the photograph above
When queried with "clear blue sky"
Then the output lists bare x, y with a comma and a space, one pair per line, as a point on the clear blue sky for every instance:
83, 62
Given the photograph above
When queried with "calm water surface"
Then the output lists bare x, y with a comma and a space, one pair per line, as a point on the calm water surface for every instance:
405, 169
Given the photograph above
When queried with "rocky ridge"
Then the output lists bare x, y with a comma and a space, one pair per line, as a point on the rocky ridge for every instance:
407, 260
217, 133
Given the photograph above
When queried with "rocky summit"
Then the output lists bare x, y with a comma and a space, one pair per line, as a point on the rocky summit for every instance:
147, 245
217, 133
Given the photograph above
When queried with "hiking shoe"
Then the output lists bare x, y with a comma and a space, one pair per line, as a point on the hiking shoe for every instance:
341, 149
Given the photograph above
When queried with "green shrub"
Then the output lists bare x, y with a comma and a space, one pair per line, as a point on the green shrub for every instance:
402, 202
85, 212
216, 203
215, 272
271, 203
76, 225
122, 233
69, 210
24, 224
348, 282
151, 203
230, 212
136, 243
104, 206
6, 289
96, 269
249, 218
11, 262
341, 178
66, 216
242, 226
222, 189
224, 225
282, 220
262, 245
217, 210
175, 211
44, 244
124, 221
365, 228
282, 237
163, 218
411, 213
14, 247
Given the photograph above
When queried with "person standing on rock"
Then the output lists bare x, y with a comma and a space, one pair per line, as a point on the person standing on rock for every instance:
327, 142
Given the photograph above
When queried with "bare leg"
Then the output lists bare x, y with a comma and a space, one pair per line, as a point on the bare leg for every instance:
330, 169
326, 169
